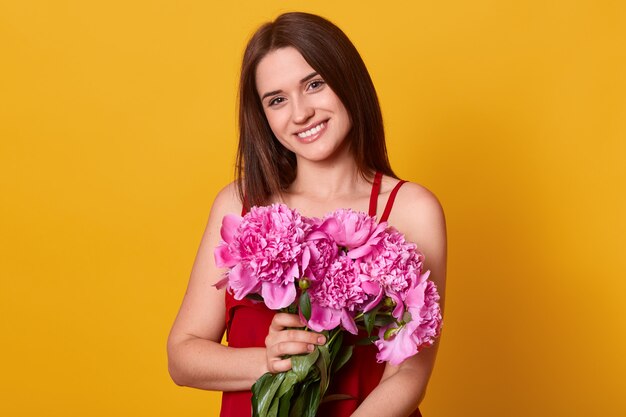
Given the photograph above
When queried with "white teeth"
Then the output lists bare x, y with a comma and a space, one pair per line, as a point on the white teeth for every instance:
311, 131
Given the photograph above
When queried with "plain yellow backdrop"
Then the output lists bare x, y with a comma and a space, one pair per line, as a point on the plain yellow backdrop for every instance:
118, 127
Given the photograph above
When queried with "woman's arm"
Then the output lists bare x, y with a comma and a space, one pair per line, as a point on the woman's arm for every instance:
195, 356
418, 214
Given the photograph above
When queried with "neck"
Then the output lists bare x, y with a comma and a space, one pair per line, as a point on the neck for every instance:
327, 180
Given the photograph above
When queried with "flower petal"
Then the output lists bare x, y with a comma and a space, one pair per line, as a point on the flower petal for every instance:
230, 223
223, 257
374, 302
323, 318
278, 296
292, 274
331, 227
360, 252
306, 258
348, 323
397, 349
415, 296
242, 281
221, 283
364, 246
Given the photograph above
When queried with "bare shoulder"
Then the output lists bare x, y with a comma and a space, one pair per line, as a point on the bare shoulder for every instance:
227, 201
412, 192
418, 214
416, 205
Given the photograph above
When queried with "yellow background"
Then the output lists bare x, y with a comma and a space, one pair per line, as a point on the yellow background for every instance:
118, 127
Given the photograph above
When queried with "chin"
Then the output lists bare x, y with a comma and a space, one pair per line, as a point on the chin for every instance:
321, 155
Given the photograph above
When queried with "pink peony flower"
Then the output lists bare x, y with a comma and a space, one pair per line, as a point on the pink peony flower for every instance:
336, 297
264, 250
394, 265
420, 326
355, 231
321, 251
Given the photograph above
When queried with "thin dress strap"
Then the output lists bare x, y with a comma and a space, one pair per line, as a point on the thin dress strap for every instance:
390, 201
375, 190
244, 206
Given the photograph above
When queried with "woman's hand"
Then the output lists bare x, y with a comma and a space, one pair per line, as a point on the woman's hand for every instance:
285, 339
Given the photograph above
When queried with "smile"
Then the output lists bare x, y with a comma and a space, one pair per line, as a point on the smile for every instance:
312, 131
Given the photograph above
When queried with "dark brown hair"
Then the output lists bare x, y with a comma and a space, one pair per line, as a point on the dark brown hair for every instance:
264, 166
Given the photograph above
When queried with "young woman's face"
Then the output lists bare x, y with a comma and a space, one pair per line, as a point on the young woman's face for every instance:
305, 115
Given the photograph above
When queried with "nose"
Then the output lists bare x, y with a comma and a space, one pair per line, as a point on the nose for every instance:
302, 111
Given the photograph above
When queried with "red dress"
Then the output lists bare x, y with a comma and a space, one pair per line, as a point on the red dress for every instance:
247, 325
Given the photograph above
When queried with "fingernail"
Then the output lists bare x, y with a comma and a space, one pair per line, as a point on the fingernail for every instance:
321, 340
310, 347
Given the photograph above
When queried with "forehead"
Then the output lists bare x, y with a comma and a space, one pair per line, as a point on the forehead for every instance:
281, 69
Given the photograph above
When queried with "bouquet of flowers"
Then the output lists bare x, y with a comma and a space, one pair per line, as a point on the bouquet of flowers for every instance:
339, 273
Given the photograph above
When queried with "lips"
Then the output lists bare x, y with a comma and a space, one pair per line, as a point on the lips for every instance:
311, 132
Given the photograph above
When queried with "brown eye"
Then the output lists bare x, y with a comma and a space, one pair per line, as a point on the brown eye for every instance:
315, 85
276, 101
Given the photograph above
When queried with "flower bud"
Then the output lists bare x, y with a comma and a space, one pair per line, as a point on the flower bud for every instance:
389, 302
304, 283
391, 332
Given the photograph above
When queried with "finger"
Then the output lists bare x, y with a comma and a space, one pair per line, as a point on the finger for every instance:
289, 348
279, 366
282, 320
293, 335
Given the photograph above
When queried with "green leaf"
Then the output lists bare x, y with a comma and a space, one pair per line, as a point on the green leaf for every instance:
382, 321
335, 345
290, 380
322, 364
307, 396
285, 402
343, 357
369, 318
273, 410
313, 401
258, 388
266, 392
292, 309
305, 305
301, 364
298, 405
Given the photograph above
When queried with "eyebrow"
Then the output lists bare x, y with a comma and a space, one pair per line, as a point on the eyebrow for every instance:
305, 79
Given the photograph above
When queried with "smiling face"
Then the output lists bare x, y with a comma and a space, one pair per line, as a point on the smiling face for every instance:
305, 115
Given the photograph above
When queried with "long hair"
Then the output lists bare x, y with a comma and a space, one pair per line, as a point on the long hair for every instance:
264, 166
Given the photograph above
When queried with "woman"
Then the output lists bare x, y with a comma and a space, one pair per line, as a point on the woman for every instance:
311, 137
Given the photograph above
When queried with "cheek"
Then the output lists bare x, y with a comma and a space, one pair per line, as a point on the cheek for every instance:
333, 102
346, 119
276, 120
284, 142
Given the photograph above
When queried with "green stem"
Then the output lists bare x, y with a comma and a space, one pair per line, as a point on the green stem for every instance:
333, 337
